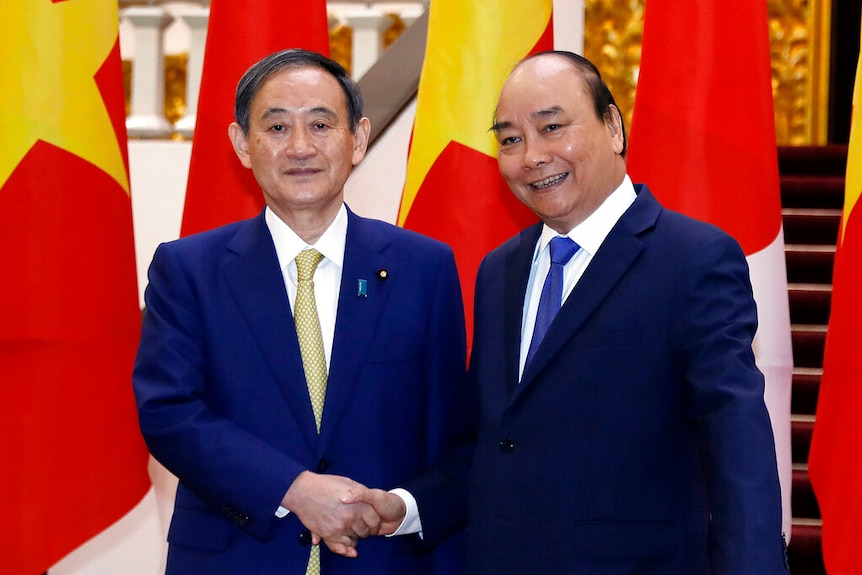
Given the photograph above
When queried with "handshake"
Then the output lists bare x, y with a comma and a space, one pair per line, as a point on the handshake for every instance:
340, 511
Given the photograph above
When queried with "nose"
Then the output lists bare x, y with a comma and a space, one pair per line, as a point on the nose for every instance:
299, 143
535, 153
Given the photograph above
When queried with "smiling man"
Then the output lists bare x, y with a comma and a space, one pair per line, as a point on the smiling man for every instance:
284, 354
622, 424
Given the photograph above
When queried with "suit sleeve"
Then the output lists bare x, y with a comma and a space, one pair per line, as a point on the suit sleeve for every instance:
441, 492
230, 469
714, 328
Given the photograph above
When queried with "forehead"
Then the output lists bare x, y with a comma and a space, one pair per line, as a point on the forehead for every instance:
301, 87
542, 83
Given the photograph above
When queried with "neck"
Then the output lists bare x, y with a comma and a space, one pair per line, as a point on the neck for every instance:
308, 224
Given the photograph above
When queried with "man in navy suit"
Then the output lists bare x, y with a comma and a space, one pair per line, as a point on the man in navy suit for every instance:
625, 434
219, 379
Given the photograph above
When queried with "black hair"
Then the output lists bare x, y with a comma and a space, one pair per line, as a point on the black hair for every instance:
260, 72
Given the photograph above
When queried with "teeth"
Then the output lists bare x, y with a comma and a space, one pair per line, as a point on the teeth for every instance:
548, 181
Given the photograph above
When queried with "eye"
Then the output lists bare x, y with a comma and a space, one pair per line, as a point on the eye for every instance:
509, 140
551, 127
277, 128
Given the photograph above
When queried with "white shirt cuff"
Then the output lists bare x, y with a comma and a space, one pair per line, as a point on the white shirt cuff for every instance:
411, 523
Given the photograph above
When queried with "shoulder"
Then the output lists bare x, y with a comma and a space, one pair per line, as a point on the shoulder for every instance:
368, 229
210, 244
677, 230
521, 244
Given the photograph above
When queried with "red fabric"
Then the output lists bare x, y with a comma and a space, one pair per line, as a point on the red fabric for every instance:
73, 458
220, 190
464, 202
703, 140
833, 463
702, 134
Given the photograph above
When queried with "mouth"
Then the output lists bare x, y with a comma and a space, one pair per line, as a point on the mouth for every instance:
301, 171
549, 181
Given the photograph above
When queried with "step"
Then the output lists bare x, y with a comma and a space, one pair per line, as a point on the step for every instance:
802, 499
830, 159
805, 191
809, 303
811, 225
809, 263
804, 552
806, 387
801, 428
808, 342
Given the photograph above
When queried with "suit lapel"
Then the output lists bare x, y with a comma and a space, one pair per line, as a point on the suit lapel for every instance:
253, 276
518, 264
357, 315
617, 253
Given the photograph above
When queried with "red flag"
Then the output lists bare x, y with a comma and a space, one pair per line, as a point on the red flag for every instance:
454, 191
703, 139
73, 458
833, 462
239, 34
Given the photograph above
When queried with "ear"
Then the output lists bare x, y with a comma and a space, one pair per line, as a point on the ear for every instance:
615, 125
240, 143
360, 140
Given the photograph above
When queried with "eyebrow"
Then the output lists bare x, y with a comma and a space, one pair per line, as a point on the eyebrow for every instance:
317, 110
546, 113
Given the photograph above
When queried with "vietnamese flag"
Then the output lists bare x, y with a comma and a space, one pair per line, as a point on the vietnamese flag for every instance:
73, 458
703, 139
453, 189
833, 463
239, 34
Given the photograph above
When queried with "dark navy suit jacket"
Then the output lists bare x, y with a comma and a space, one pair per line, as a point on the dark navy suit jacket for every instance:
223, 402
637, 442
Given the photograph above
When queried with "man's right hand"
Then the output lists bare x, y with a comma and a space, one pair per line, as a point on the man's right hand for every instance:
325, 505
389, 507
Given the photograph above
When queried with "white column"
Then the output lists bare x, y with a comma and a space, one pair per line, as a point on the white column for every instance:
147, 117
196, 19
368, 28
569, 25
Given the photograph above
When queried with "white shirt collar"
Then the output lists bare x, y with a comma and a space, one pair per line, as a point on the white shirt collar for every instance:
288, 244
590, 233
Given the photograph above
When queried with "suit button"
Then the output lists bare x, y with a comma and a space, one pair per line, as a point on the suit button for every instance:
507, 445
322, 466
304, 538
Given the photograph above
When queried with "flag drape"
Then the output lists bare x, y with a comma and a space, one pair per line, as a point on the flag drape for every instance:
833, 462
74, 461
220, 190
453, 189
703, 139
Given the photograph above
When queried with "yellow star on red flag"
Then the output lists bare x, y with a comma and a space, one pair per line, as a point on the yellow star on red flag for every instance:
48, 89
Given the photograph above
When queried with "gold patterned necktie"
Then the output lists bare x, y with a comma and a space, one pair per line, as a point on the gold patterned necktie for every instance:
311, 349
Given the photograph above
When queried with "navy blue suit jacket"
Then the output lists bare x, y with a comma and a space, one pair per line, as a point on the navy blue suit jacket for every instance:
223, 402
638, 441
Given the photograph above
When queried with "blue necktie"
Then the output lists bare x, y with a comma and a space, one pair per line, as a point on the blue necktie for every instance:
562, 250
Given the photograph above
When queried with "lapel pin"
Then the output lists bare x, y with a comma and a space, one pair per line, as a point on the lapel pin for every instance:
362, 290
382, 274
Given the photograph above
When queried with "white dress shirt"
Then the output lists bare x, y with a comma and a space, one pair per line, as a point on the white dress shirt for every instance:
327, 276
589, 235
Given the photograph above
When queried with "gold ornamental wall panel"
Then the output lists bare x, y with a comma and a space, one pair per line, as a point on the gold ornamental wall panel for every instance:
799, 43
